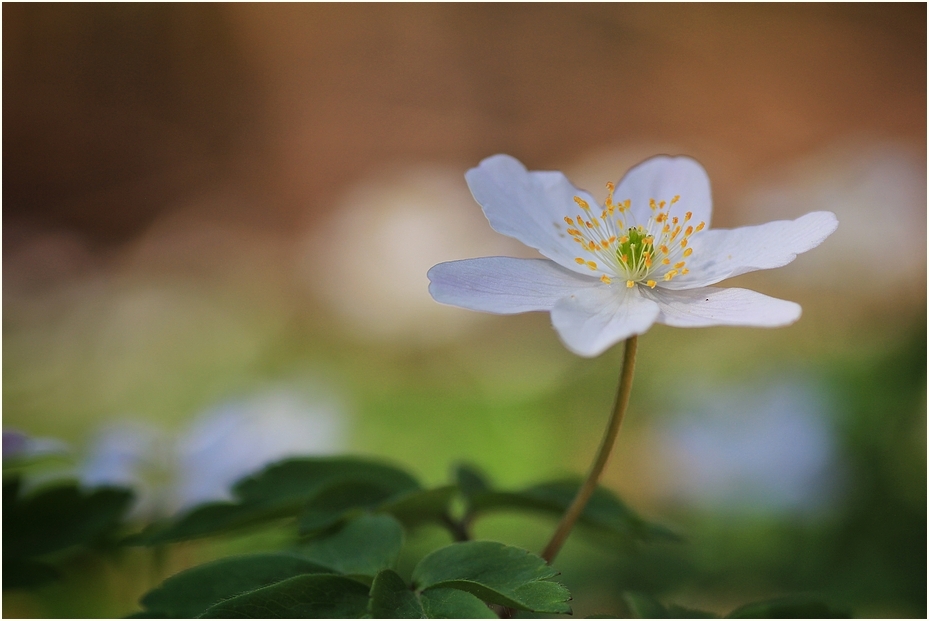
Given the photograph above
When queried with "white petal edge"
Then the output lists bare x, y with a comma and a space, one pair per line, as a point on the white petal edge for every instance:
592, 320
663, 177
723, 253
713, 306
530, 207
504, 285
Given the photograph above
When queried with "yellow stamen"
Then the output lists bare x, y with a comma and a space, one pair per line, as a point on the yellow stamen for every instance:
688, 252
581, 203
630, 284
592, 265
651, 284
580, 261
605, 279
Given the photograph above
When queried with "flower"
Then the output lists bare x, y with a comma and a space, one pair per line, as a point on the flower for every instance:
645, 256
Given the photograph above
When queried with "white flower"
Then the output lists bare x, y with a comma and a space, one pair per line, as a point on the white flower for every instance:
612, 271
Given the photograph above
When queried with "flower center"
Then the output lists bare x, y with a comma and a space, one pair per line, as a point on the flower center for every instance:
639, 253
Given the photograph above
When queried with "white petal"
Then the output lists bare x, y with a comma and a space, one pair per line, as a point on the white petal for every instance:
724, 253
662, 178
591, 320
712, 306
504, 285
530, 206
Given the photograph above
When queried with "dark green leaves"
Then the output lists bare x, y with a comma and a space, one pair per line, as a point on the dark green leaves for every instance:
604, 510
312, 596
362, 547
495, 573
191, 592
321, 491
392, 598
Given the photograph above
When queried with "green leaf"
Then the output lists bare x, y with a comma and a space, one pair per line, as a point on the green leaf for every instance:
295, 480
442, 603
391, 598
495, 573
56, 518
471, 481
643, 606
325, 489
604, 510
192, 591
363, 547
340, 499
788, 608
311, 596
418, 507
19, 573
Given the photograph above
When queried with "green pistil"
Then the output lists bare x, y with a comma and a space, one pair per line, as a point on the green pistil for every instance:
633, 249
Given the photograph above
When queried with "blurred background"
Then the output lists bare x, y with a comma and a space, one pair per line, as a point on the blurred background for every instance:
217, 221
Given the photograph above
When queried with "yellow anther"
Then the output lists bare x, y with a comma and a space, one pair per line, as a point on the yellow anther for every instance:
568, 220
610, 186
652, 204
605, 279
573, 232
591, 265
676, 198
666, 228
684, 243
689, 230
623, 239
661, 217
649, 240
592, 245
651, 284
588, 224
688, 216
663, 249
700, 226
670, 275
688, 252
666, 261
684, 271
661, 205
674, 220
581, 203
624, 258
630, 284
611, 239
580, 261
679, 265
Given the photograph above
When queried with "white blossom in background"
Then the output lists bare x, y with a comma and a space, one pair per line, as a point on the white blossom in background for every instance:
646, 255
240, 437
751, 449
18, 445
369, 258
220, 446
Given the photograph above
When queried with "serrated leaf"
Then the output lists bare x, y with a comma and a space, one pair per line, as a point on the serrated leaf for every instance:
418, 507
192, 591
788, 608
363, 546
56, 518
312, 596
495, 573
443, 603
604, 510
391, 598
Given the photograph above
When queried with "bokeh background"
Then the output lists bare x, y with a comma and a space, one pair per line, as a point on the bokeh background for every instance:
217, 221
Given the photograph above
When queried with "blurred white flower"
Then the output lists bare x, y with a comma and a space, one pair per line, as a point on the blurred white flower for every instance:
753, 450
613, 271
239, 437
219, 447
369, 259
18, 445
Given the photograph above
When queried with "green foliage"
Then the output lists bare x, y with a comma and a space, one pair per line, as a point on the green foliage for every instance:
54, 520
362, 547
788, 608
392, 598
191, 592
495, 573
309, 596
322, 491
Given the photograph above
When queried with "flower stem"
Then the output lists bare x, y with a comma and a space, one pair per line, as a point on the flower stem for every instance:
586, 490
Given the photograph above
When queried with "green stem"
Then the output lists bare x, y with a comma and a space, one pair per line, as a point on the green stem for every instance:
586, 490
